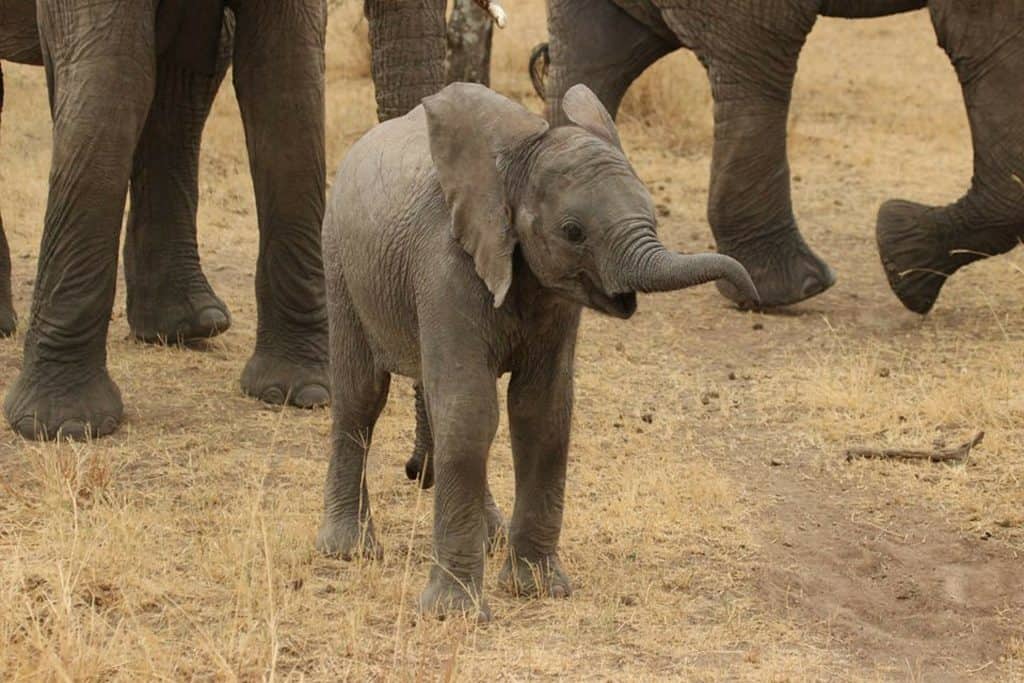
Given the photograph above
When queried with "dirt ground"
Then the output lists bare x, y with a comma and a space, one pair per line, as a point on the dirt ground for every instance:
714, 530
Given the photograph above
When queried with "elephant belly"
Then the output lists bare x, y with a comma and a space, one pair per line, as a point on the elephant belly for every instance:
388, 228
647, 14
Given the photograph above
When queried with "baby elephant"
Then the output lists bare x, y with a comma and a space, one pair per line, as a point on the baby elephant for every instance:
461, 242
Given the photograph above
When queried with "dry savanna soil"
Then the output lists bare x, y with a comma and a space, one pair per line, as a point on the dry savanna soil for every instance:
714, 530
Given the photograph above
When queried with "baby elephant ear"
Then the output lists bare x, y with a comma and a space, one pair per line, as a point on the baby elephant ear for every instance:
469, 125
583, 108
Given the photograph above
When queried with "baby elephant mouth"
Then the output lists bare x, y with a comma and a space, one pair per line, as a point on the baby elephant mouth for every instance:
616, 305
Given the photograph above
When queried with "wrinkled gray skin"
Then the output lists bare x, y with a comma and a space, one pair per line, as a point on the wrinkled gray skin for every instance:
750, 49
131, 85
461, 242
19, 42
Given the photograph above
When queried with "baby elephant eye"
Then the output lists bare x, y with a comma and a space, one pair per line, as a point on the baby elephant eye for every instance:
574, 232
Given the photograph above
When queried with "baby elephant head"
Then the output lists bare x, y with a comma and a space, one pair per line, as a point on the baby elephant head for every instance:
568, 197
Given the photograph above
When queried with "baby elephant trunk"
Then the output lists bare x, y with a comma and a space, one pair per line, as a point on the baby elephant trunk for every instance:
649, 267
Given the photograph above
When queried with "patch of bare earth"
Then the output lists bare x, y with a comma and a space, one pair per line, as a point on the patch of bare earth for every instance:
714, 530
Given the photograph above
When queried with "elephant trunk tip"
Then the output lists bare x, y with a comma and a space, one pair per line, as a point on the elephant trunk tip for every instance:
738, 276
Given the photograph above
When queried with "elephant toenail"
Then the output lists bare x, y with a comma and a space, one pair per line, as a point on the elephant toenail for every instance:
76, 430
213, 320
27, 427
272, 395
107, 426
558, 591
312, 396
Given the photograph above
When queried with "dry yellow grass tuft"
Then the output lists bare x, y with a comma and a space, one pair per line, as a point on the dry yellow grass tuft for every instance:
713, 529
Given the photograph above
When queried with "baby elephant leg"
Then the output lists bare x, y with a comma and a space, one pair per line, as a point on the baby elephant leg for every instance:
420, 467
540, 414
464, 412
360, 392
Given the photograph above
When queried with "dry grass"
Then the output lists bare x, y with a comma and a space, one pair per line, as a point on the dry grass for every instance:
713, 530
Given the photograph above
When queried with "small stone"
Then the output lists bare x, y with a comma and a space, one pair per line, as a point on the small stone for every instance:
628, 600
775, 463
663, 210
732, 375
884, 372
758, 326
647, 417
706, 397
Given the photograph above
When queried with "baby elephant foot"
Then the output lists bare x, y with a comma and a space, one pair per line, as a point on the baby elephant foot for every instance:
8, 321
61, 409
784, 269
277, 380
543, 577
347, 539
446, 596
166, 320
420, 468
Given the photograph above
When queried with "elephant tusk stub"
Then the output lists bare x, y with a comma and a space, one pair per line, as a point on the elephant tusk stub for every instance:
495, 10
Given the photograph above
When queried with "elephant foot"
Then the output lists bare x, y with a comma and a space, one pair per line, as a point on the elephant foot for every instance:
8, 320
497, 529
785, 271
347, 539
446, 596
62, 409
280, 381
420, 467
913, 244
166, 320
540, 578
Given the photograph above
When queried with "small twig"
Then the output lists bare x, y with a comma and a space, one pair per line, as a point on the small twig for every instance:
958, 454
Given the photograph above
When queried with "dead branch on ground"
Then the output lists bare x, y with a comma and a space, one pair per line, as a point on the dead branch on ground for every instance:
958, 454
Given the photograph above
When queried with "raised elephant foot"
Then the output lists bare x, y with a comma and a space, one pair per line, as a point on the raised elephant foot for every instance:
278, 381
178, 321
914, 245
785, 271
347, 539
61, 408
8, 321
541, 578
420, 466
445, 596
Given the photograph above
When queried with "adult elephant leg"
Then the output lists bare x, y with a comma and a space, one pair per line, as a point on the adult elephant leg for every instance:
407, 41
279, 78
169, 297
921, 246
100, 70
540, 416
751, 58
360, 392
8, 319
596, 43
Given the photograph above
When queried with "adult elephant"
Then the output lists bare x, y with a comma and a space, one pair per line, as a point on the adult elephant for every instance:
750, 50
131, 83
